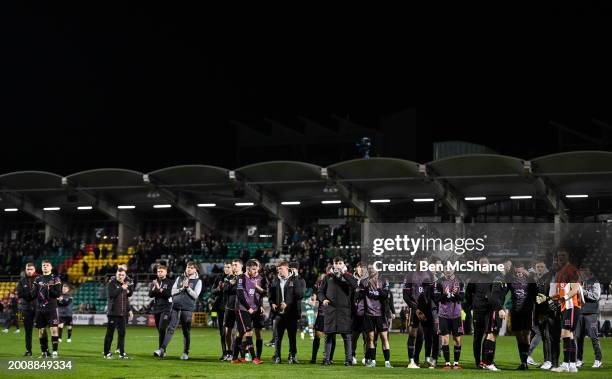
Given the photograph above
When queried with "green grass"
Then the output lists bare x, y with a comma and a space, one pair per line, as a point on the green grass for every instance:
86, 353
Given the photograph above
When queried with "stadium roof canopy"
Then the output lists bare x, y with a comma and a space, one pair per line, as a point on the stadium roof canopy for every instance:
384, 178
581, 172
485, 175
578, 172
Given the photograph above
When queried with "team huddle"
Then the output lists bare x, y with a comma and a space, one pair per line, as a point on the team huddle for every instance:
551, 307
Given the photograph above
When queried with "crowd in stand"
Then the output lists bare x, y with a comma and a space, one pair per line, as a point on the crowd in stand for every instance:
175, 251
29, 247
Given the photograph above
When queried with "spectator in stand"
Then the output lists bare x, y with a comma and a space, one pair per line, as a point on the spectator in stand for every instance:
104, 252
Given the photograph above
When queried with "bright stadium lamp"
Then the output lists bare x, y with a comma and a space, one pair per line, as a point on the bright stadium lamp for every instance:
331, 202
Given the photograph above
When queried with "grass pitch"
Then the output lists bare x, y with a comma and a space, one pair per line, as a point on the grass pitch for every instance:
86, 354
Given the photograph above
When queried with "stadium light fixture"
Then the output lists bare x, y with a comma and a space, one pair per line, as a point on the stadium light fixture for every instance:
243, 204
423, 200
291, 202
576, 196
521, 197
375, 201
207, 205
331, 202
126, 206
51, 209
475, 198
10, 209
84, 208
159, 206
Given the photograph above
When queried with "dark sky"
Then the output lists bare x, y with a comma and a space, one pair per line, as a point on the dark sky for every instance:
145, 87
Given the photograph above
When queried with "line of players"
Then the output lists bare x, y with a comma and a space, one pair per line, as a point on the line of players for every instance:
349, 304
358, 304
549, 301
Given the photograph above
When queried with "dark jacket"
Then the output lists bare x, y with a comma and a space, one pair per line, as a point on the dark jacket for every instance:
418, 292
26, 294
486, 293
217, 293
229, 292
294, 292
118, 298
339, 290
543, 286
162, 297
65, 305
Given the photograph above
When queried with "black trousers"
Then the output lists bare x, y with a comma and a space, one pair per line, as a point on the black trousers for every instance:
119, 323
282, 323
177, 317
552, 333
161, 323
541, 325
480, 327
28, 324
347, 338
220, 317
432, 340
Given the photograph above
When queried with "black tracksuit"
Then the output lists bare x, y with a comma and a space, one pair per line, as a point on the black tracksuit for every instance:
219, 307
548, 321
161, 305
117, 311
27, 307
485, 296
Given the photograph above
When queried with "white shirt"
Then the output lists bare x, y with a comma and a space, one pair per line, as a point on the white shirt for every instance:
282, 286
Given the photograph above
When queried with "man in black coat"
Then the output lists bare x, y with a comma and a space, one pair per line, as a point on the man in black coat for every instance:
285, 295
27, 303
160, 290
219, 306
336, 293
119, 289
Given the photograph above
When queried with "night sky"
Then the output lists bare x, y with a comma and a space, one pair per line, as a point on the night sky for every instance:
149, 87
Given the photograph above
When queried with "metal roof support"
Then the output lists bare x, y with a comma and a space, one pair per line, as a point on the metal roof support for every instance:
55, 225
128, 224
183, 204
267, 201
449, 196
356, 198
548, 192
